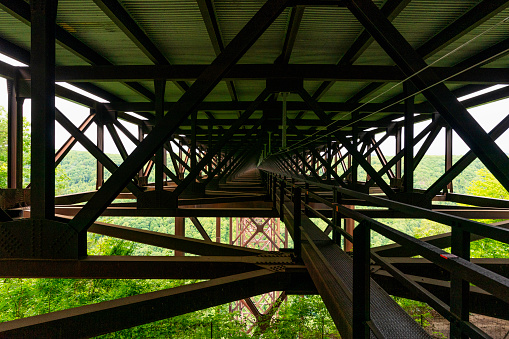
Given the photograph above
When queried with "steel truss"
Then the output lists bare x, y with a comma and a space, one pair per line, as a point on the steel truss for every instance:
208, 164
264, 234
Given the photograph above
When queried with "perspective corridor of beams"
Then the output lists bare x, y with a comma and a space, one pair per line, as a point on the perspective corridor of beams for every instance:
259, 109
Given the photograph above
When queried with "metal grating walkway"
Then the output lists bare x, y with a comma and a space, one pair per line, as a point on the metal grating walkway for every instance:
332, 272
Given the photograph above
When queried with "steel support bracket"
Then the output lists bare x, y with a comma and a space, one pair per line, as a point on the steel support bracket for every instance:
194, 190
104, 116
14, 197
37, 238
290, 85
415, 199
157, 199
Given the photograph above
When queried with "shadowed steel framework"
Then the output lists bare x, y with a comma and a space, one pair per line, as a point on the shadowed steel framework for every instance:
259, 109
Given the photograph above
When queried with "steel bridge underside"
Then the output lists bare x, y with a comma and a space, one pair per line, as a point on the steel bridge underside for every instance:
238, 136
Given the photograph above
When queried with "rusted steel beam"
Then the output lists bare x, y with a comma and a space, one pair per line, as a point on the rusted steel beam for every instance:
401, 153
42, 64
21, 10
123, 20
411, 63
99, 181
268, 105
175, 242
425, 268
76, 198
208, 13
193, 172
480, 301
464, 161
391, 9
15, 136
69, 144
92, 148
186, 105
457, 29
331, 271
109, 316
467, 213
439, 240
127, 267
180, 231
348, 145
330, 73
207, 212
117, 141
23, 55
200, 228
291, 34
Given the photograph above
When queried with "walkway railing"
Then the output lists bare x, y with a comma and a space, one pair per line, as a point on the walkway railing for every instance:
463, 272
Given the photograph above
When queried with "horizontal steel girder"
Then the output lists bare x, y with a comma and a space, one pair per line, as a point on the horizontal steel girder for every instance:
152, 267
92, 320
266, 71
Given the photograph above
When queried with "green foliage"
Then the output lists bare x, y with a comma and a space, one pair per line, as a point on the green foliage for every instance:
487, 185
482, 184
302, 316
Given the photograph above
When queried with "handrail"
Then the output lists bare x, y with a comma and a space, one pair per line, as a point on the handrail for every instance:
458, 262
442, 308
485, 279
330, 223
488, 231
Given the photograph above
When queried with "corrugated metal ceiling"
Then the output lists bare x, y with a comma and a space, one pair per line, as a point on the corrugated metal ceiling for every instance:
176, 27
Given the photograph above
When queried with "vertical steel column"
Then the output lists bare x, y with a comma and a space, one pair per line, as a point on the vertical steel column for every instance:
194, 117
165, 164
349, 228
42, 67
181, 167
270, 142
329, 156
231, 231
448, 153
100, 144
460, 289
361, 283
398, 149
283, 124
218, 229
336, 220
408, 182
221, 170
140, 138
306, 197
282, 186
209, 146
297, 237
335, 169
274, 191
303, 167
219, 155
180, 230
160, 86
15, 136
368, 158
355, 143
313, 162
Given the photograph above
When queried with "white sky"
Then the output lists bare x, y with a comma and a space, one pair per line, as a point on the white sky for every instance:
488, 116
